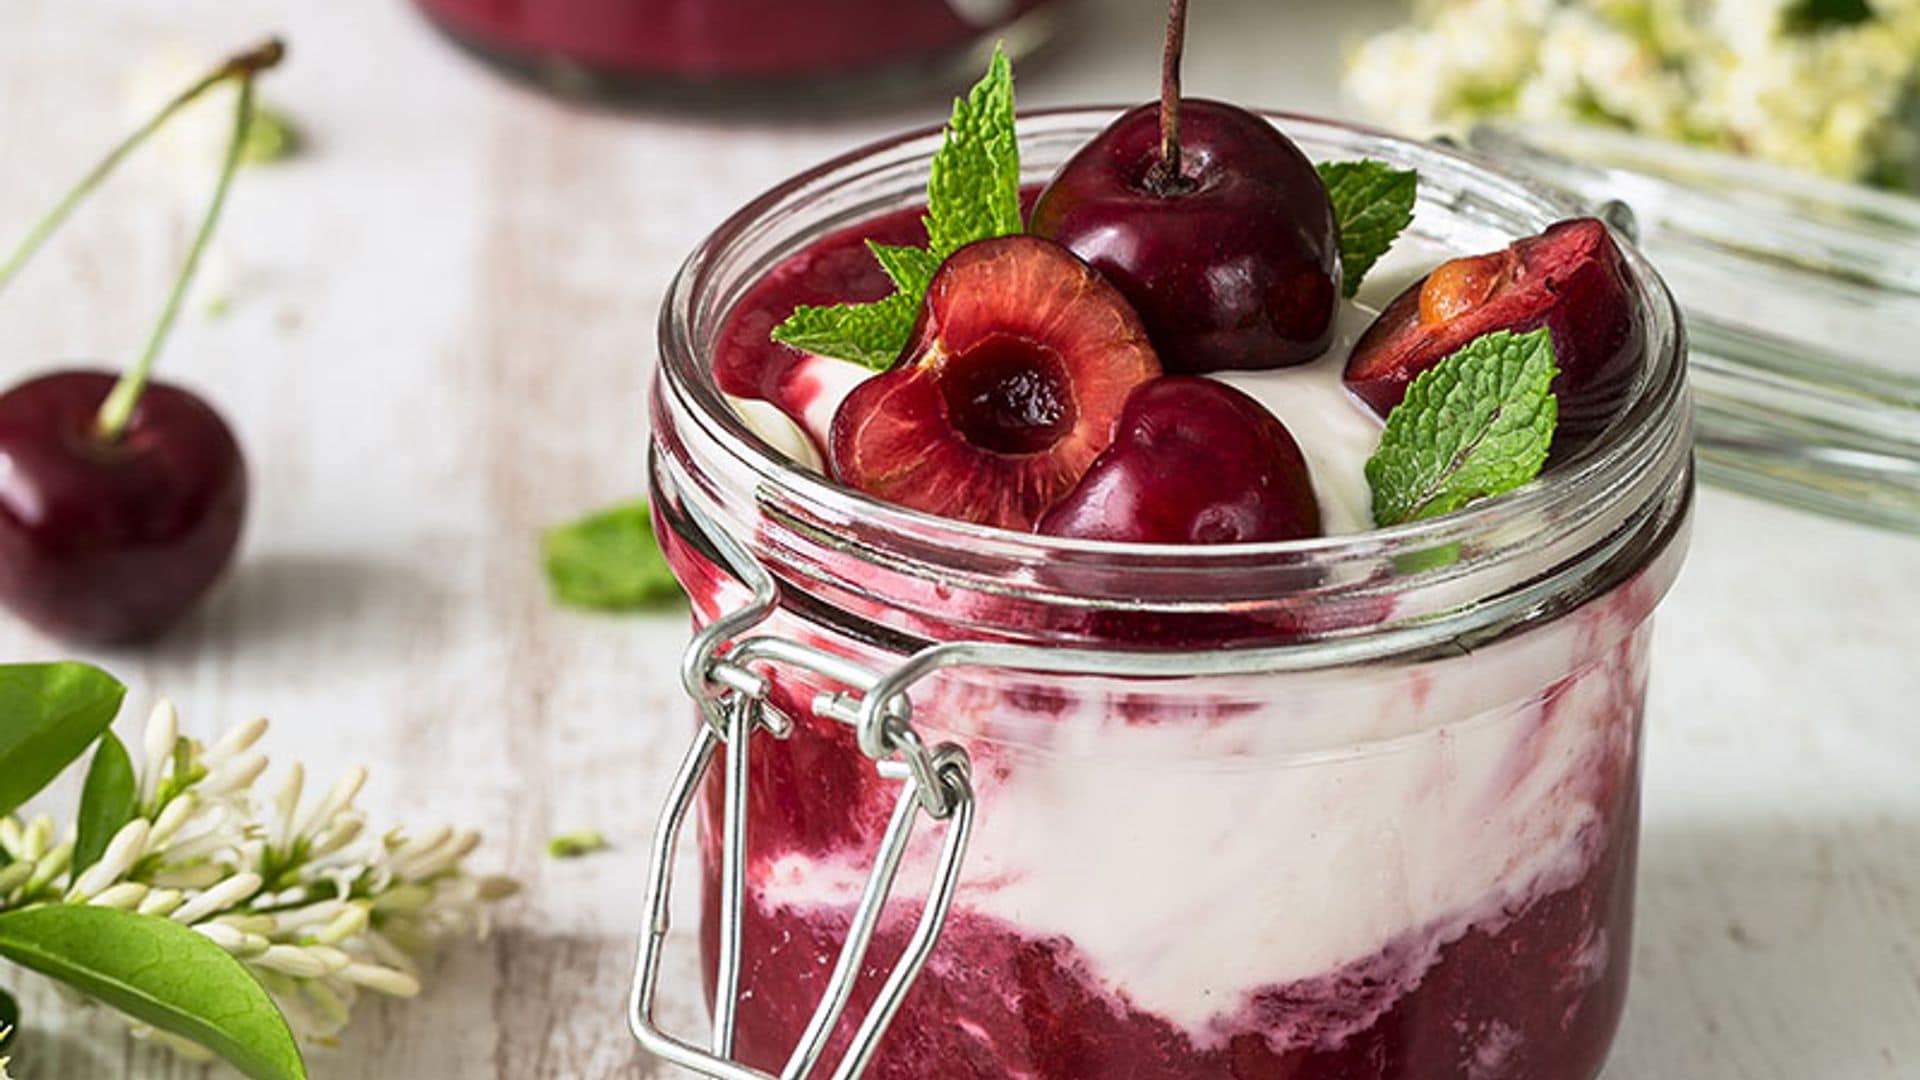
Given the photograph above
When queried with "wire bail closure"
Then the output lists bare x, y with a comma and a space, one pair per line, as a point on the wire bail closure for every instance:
720, 671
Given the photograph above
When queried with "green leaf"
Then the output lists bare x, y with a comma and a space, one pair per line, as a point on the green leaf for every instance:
1477, 424
271, 136
49, 714
1372, 205
106, 803
974, 191
871, 335
609, 561
575, 844
9, 1020
973, 194
910, 267
159, 972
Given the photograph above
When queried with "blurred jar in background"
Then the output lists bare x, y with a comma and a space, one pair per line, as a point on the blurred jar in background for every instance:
767, 51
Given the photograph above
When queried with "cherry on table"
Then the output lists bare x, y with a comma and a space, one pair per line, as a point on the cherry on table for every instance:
1017, 371
1193, 461
112, 541
121, 499
1211, 222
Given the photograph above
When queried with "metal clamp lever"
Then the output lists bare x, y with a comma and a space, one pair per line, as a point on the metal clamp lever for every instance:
732, 697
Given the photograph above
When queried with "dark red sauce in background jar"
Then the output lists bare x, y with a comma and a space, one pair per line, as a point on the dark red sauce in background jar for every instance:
744, 49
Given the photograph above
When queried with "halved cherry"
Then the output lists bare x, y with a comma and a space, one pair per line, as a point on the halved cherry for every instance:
1571, 279
1010, 387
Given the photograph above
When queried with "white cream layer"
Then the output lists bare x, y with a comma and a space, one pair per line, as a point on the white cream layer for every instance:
1201, 855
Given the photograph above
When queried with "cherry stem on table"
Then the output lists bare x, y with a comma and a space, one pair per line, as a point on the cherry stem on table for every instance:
117, 411
247, 63
1167, 176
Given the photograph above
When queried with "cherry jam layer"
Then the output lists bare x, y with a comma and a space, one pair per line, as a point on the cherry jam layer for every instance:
700, 40
1402, 872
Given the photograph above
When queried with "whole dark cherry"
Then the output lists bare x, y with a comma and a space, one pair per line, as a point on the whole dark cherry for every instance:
121, 498
1193, 461
109, 541
1212, 224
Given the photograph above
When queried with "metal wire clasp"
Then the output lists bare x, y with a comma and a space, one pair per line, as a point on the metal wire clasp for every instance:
722, 673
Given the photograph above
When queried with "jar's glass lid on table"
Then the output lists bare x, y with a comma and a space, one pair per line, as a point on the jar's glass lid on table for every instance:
1802, 298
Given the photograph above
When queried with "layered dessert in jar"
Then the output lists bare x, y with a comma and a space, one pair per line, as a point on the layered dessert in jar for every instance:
722, 47
1354, 471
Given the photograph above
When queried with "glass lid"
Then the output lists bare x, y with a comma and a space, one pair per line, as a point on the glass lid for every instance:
1802, 299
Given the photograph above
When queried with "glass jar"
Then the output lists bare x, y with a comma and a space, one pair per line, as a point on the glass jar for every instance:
1360, 806
766, 52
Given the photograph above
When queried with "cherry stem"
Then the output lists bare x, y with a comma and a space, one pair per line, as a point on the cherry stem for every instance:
1167, 174
117, 411
247, 63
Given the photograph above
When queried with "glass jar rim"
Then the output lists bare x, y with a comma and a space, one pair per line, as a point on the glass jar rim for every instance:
1591, 495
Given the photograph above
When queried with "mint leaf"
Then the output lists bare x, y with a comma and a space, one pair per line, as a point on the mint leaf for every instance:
161, 973
107, 802
974, 192
609, 561
1372, 205
1477, 424
575, 844
871, 335
911, 268
49, 715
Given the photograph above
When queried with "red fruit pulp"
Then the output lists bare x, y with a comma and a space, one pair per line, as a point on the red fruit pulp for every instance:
1570, 279
110, 543
717, 39
1011, 386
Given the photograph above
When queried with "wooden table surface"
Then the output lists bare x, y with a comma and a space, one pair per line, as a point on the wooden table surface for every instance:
438, 340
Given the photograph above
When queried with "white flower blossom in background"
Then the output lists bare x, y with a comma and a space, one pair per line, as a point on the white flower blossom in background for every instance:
287, 878
1746, 76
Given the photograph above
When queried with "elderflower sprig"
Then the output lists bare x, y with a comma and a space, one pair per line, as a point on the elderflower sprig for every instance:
289, 882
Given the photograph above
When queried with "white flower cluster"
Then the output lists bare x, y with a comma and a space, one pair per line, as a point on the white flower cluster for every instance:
297, 888
1747, 76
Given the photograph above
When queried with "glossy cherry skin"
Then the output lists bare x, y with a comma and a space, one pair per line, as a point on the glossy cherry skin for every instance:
1193, 461
1571, 279
1235, 270
108, 543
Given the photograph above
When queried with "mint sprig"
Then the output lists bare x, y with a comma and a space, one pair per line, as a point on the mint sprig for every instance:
1372, 205
973, 194
609, 561
1476, 425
